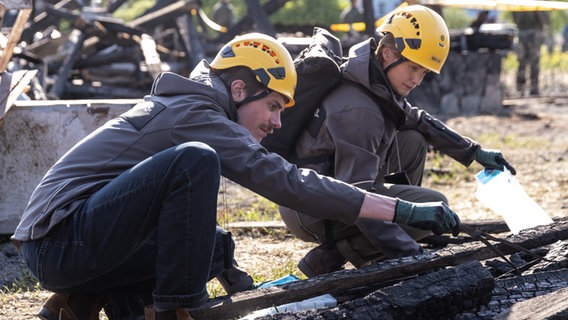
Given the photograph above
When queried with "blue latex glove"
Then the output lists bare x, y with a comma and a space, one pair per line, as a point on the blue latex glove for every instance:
435, 216
493, 159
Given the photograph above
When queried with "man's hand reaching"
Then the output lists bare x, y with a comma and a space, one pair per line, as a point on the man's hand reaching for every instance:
493, 159
435, 216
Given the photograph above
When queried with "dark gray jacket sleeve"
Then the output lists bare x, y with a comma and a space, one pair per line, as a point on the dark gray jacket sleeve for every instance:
440, 136
246, 162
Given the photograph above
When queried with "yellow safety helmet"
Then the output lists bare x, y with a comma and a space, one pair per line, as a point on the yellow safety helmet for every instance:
421, 36
266, 57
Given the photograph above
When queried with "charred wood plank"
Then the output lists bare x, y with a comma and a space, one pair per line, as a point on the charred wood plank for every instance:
437, 295
102, 92
551, 306
101, 58
556, 258
164, 15
528, 239
512, 291
76, 40
190, 37
381, 272
43, 20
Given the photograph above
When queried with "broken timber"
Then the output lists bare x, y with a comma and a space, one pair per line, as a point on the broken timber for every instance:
338, 282
437, 295
551, 306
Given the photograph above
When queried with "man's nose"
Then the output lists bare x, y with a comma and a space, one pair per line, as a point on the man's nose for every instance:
275, 120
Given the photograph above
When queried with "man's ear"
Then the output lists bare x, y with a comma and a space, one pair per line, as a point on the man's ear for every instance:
238, 92
388, 57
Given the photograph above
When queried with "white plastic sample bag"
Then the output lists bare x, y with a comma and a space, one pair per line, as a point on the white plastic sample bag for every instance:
502, 193
319, 302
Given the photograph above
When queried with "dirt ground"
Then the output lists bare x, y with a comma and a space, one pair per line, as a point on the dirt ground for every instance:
532, 133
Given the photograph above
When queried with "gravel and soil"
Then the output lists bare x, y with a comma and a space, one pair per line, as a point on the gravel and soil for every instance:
532, 133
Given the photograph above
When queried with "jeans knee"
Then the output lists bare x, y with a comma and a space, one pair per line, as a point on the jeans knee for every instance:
199, 152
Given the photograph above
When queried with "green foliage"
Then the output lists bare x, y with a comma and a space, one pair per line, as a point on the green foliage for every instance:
558, 19
309, 12
556, 61
132, 9
456, 18
27, 282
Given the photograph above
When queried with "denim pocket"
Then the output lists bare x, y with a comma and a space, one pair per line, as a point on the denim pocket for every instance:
62, 265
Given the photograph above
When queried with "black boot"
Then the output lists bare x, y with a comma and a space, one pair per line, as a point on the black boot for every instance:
178, 314
321, 260
235, 280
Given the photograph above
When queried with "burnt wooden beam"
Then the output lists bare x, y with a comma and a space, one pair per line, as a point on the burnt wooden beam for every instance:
386, 271
76, 40
102, 92
437, 295
509, 293
190, 37
43, 20
551, 306
164, 15
443, 292
121, 54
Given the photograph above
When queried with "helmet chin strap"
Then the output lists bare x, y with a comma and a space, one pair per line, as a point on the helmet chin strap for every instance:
248, 99
394, 64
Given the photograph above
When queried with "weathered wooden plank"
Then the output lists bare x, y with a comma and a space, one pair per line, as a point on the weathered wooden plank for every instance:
14, 37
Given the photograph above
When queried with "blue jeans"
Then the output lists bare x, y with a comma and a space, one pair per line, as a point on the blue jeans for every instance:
151, 228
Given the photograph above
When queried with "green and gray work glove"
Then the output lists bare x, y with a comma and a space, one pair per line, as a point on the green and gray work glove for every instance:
493, 159
435, 216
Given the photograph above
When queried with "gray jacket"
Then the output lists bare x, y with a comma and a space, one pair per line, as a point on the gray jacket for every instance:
356, 124
197, 108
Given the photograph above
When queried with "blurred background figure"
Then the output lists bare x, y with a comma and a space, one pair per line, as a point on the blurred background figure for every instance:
532, 27
352, 13
565, 38
482, 17
223, 13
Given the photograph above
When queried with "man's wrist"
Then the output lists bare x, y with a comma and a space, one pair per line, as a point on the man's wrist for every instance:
402, 211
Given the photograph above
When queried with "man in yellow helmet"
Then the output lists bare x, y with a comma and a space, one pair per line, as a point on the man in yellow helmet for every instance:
127, 217
365, 130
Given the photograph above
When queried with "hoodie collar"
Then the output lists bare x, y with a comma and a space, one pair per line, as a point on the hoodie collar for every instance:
201, 81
